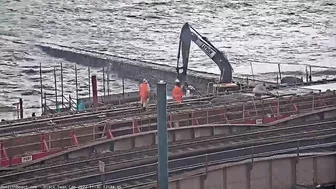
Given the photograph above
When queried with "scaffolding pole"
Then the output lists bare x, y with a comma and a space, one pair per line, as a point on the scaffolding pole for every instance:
62, 84
55, 81
104, 82
41, 87
108, 79
76, 86
89, 77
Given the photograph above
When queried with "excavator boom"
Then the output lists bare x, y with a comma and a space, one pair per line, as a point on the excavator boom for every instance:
189, 34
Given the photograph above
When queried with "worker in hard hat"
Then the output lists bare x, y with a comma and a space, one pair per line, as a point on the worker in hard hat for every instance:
177, 91
144, 93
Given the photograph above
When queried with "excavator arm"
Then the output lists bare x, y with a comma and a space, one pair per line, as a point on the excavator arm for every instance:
189, 34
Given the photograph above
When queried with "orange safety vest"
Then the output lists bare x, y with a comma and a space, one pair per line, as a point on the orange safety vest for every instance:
177, 94
144, 91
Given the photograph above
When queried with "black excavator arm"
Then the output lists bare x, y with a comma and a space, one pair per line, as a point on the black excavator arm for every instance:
189, 34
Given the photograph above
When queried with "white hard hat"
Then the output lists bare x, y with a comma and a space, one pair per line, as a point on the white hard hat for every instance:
144, 80
177, 81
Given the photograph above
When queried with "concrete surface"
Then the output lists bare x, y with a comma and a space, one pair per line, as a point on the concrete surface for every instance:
277, 172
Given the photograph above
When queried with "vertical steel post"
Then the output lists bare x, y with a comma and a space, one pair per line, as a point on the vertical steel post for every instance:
77, 87
278, 108
279, 72
89, 83
70, 104
307, 75
244, 111
263, 111
277, 79
21, 108
18, 111
104, 82
103, 180
123, 87
108, 79
94, 90
251, 70
41, 87
55, 80
62, 84
162, 134
45, 101
310, 74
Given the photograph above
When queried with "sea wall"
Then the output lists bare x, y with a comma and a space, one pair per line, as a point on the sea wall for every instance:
129, 68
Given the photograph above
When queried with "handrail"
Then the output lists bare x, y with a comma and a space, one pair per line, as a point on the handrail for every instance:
296, 64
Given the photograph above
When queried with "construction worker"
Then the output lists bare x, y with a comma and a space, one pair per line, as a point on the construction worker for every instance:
177, 92
144, 93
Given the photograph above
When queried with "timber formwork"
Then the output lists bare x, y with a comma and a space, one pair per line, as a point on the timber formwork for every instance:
19, 149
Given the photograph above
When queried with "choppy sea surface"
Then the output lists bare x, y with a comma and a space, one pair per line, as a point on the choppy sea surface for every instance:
248, 31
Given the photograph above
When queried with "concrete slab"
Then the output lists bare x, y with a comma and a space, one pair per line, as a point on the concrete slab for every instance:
144, 140
326, 169
236, 177
214, 180
312, 118
201, 132
80, 153
260, 175
305, 172
184, 134
173, 185
102, 147
123, 144
171, 137
330, 114
192, 182
281, 173
221, 130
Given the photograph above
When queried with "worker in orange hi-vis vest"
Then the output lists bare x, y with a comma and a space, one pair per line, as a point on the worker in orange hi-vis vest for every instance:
177, 92
144, 93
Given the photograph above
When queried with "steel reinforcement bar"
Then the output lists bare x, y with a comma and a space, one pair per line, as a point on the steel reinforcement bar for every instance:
129, 125
92, 117
94, 113
83, 116
123, 113
144, 166
196, 146
72, 132
64, 115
